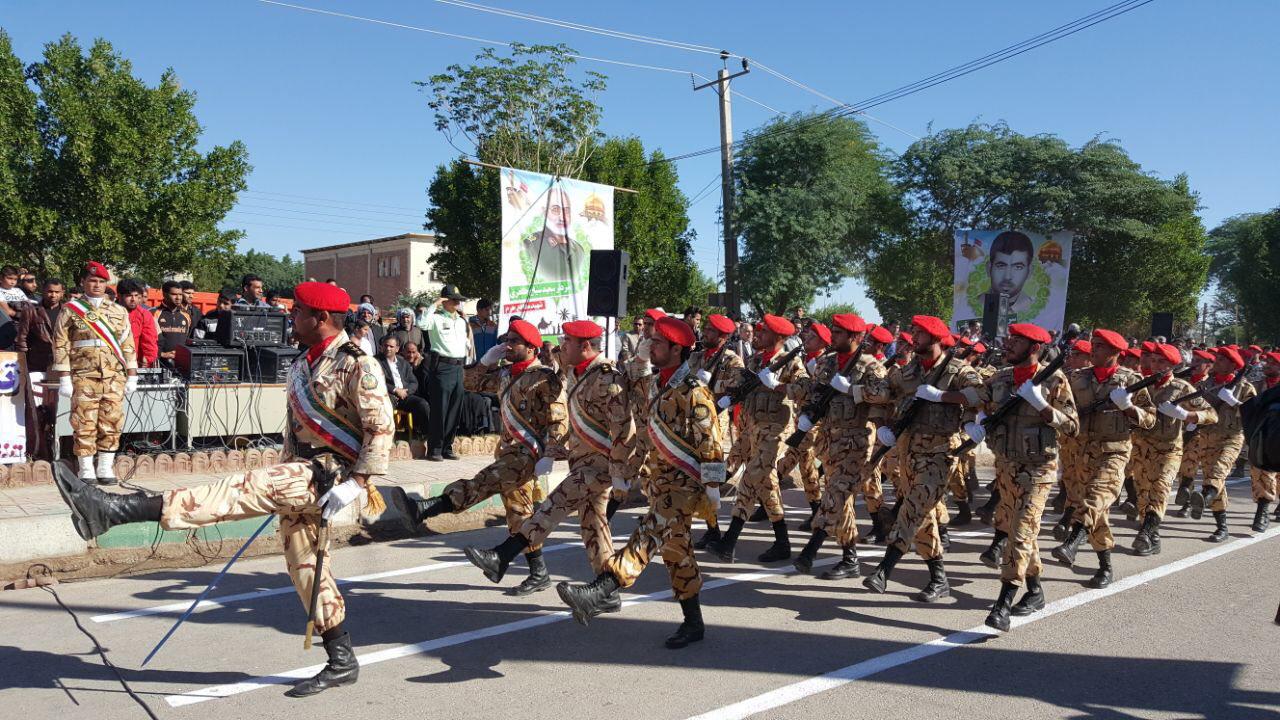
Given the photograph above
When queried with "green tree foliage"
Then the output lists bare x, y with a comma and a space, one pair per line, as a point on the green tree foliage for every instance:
1139, 245
225, 271
1245, 252
96, 164
811, 200
466, 216
824, 313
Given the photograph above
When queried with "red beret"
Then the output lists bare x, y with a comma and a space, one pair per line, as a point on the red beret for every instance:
822, 331
906, 337
584, 329
322, 296
1203, 355
1273, 357
1082, 346
850, 322
880, 335
980, 348
654, 314
964, 340
1255, 348
676, 331
97, 269
779, 325
932, 325
1235, 347
1148, 346
758, 326
947, 341
1112, 338
1170, 353
527, 332
721, 323
1133, 352
1034, 333
1231, 354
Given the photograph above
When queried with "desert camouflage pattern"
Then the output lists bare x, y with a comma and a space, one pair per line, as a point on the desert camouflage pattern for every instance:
1023, 496
97, 378
1223, 441
1157, 452
770, 412
1263, 484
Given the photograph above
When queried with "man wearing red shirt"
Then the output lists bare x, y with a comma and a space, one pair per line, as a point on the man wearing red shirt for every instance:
130, 294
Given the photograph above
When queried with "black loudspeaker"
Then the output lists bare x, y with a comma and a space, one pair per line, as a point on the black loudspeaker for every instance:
252, 326
209, 365
990, 315
1162, 325
270, 364
607, 283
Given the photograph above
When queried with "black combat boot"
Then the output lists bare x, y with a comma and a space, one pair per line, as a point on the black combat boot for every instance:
341, 669
781, 547
1220, 531
944, 536
495, 562
711, 535
938, 587
998, 618
877, 530
692, 629
964, 515
804, 561
539, 579
1102, 578
879, 580
94, 511
759, 515
1066, 552
807, 525
988, 510
1130, 505
1201, 500
723, 548
846, 568
1063, 526
991, 556
1183, 495
413, 511
612, 508
1059, 502
886, 517
1032, 600
1148, 540
587, 601
1277, 516
1260, 518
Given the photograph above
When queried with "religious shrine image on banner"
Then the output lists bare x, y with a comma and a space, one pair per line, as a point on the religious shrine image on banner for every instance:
1031, 269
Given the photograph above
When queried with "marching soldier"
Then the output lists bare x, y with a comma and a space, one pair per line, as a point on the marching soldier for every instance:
719, 368
945, 385
878, 415
1025, 444
816, 339
1070, 486
93, 359
1157, 452
1263, 482
638, 369
1192, 452
339, 427
533, 432
1222, 440
768, 412
600, 447
687, 470
964, 475
1108, 415
846, 432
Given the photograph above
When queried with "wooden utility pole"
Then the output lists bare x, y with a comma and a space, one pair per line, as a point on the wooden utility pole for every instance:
721, 84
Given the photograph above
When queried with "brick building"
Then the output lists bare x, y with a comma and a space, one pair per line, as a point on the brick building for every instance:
383, 267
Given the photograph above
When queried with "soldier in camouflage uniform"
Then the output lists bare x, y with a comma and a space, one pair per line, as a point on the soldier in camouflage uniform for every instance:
846, 434
965, 476
1223, 440
768, 409
1071, 483
1263, 482
601, 439
93, 359
1157, 452
1192, 445
533, 433
816, 339
945, 385
1109, 413
339, 426
687, 469
718, 367
878, 415
638, 369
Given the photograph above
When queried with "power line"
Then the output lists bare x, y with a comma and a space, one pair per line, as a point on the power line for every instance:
350, 233
330, 200
394, 219
386, 223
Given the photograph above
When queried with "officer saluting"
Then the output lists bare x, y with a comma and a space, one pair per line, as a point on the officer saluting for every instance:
340, 424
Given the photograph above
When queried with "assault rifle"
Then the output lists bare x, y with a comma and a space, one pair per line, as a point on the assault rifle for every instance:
1143, 384
714, 366
908, 416
751, 381
817, 408
1233, 383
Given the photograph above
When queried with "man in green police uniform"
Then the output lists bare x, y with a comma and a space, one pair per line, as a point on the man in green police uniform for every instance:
446, 329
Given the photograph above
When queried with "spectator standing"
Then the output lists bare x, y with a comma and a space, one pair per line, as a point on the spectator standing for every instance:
35, 327
744, 347
402, 384
446, 330
252, 293
406, 330
10, 294
189, 302
484, 328
130, 294
173, 321
27, 284
208, 325
693, 318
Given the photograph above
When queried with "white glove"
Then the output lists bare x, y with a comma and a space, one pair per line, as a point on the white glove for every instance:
1120, 397
975, 432
1033, 395
64, 386
493, 355
1190, 427
1173, 411
338, 497
804, 424
703, 376
767, 378
812, 366
131, 383
840, 383
1228, 397
713, 494
724, 402
886, 436
929, 392
621, 485
543, 466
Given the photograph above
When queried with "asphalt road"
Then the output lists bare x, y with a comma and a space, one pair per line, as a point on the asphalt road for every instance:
1185, 634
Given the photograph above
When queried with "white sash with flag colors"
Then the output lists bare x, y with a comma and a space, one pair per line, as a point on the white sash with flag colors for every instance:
336, 433
98, 324
673, 448
516, 424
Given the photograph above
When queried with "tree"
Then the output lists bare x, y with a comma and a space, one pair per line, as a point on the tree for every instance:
99, 165
1245, 252
226, 270
811, 200
824, 313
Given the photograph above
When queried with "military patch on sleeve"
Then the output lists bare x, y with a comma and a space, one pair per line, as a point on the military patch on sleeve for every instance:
368, 381
700, 412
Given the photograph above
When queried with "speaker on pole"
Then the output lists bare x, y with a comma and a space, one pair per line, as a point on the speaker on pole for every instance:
1162, 325
990, 315
607, 283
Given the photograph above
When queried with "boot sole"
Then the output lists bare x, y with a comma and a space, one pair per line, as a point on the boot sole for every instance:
582, 618
522, 590
989, 562
768, 558
474, 556
832, 575
81, 523
875, 587
682, 644
344, 683
1002, 627
1026, 610
1097, 584
933, 598
1197, 506
1062, 558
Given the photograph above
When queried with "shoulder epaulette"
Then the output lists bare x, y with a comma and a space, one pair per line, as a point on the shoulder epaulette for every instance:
352, 349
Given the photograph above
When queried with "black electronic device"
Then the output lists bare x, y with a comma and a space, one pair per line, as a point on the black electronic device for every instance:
607, 283
209, 365
271, 363
248, 327
1162, 325
152, 376
990, 314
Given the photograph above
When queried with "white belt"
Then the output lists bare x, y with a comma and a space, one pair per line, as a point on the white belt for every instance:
89, 343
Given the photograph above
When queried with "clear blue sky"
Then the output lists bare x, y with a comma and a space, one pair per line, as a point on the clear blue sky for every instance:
328, 109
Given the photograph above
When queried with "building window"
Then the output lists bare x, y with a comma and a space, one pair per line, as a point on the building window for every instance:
389, 267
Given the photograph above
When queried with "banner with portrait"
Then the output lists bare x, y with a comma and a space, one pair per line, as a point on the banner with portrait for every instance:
13, 421
549, 228
1028, 268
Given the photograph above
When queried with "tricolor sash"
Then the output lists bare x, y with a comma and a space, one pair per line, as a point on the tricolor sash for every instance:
674, 449
98, 324
337, 434
517, 425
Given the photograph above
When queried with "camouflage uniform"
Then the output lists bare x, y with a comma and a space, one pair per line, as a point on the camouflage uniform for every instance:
1222, 441
878, 415
770, 411
97, 376
639, 373
1157, 452
805, 455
